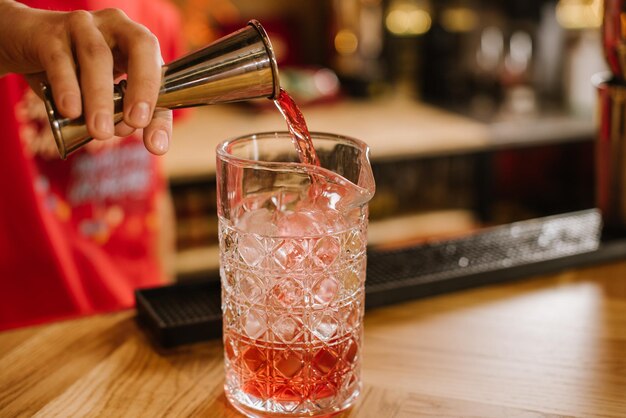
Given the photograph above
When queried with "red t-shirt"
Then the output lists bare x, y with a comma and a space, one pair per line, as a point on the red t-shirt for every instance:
76, 236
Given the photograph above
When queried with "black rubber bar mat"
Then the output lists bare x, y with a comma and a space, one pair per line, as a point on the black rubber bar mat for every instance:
190, 312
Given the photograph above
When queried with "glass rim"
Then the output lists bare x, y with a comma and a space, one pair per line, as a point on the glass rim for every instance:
223, 153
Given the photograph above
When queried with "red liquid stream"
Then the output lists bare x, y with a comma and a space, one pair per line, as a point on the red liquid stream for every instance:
297, 127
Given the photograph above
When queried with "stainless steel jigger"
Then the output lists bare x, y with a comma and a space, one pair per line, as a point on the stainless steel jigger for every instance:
239, 66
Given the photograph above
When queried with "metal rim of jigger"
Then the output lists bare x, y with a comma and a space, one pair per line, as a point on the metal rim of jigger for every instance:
270, 53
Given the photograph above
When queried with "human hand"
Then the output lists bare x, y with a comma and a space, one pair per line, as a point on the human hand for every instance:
79, 54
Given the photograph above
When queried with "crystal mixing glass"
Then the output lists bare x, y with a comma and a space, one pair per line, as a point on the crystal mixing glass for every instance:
292, 265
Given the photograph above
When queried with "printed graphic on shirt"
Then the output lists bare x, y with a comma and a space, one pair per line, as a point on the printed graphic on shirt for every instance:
122, 172
34, 126
116, 185
104, 190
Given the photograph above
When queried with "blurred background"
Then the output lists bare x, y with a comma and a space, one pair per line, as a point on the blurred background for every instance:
477, 112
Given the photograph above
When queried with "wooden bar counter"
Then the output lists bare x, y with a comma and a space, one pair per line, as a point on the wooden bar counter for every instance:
541, 347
